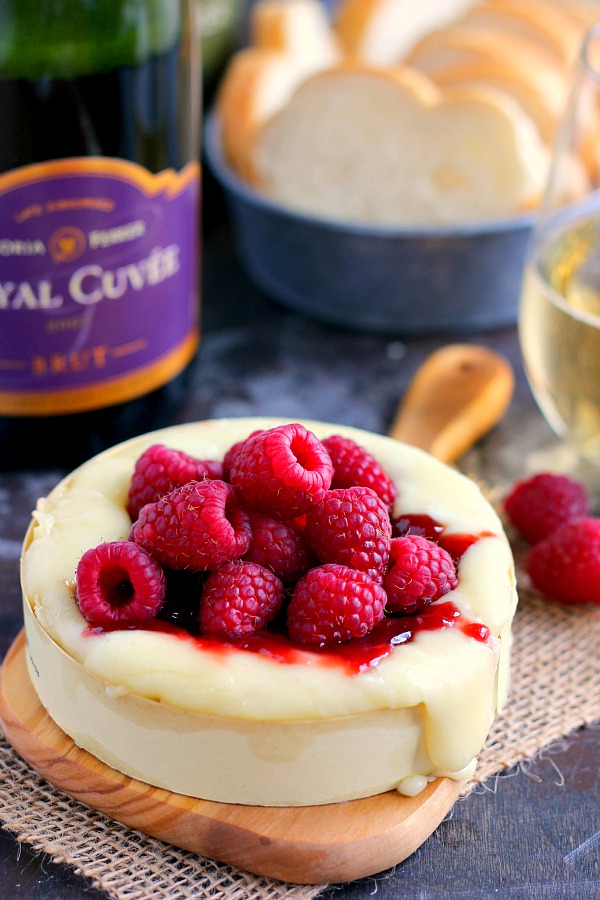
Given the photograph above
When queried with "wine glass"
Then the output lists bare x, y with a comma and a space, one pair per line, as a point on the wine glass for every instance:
559, 317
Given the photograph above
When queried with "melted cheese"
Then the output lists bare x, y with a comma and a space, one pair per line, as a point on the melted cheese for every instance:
427, 706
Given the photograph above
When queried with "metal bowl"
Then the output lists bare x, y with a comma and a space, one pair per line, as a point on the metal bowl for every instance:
384, 279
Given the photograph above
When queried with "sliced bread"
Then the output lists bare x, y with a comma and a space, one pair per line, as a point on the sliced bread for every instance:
383, 31
545, 23
364, 144
291, 40
585, 12
541, 96
459, 44
299, 27
255, 86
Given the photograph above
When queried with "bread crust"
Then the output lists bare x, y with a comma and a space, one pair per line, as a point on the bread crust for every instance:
382, 31
542, 21
541, 98
584, 12
353, 18
294, 26
457, 42
256, 85
291, 39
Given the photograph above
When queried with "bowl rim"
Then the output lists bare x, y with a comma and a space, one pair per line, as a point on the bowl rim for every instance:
233, 183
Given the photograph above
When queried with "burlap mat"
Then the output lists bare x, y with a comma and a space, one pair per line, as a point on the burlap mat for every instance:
555, 688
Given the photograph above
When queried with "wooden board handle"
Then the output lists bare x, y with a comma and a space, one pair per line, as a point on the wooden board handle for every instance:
456, 396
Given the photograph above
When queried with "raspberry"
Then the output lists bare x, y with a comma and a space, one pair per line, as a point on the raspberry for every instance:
238, 599
332, 604
420, 573
232, 453
198, 526
351, 526
119, 582
566, 565
353, 465
538, 505
280, 547
159, 470
282, 471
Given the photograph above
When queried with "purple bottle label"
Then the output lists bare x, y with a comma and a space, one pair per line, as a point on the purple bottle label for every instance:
99, 283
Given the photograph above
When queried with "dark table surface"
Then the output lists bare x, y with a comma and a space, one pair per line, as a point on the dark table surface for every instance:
533, 833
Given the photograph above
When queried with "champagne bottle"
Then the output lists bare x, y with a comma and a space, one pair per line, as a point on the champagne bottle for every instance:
100, 106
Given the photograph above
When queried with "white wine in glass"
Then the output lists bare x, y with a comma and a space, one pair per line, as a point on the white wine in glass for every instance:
559, 319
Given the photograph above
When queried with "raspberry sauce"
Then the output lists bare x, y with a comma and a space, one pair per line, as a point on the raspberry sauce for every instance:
357, 655
354, 656
179, 617
425, 526
417, 524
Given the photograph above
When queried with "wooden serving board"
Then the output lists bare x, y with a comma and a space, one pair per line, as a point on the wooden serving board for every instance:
457, 395
303, 845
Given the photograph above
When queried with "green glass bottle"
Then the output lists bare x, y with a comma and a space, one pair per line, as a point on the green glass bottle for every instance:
100, 106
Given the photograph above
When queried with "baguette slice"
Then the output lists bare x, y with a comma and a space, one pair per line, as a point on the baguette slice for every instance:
292, 39
540, 95
459, 44
369, 145
299, 27
539, 20
585, 12
383, 31
255, 86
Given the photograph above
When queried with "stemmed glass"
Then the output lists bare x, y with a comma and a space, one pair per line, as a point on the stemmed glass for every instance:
559, 318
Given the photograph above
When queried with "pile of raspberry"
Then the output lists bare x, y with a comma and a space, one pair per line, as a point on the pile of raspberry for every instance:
287, 531
551, 513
